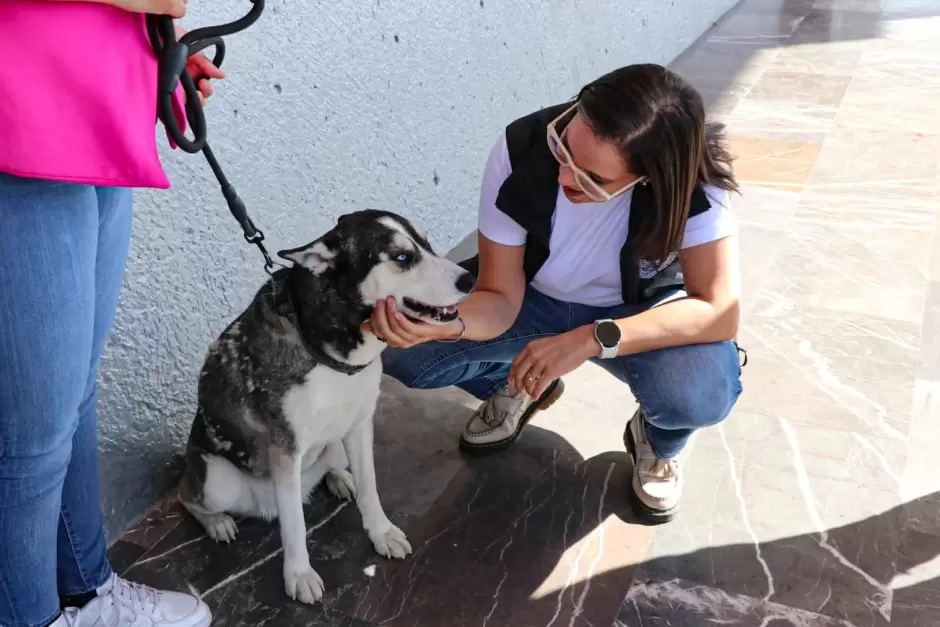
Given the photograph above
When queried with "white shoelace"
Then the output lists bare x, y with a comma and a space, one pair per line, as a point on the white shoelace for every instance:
127, 597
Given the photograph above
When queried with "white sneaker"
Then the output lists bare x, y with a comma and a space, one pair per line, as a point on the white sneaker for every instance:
657, 483
498, 422
121, 603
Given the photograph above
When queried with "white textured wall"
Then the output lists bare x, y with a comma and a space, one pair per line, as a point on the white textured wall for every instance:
330, 107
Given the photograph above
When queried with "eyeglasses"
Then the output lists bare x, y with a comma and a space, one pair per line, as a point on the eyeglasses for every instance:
591, 188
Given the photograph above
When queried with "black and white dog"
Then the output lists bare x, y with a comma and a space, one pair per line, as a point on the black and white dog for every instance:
288, 391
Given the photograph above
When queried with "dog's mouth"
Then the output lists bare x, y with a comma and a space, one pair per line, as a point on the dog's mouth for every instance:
423, 312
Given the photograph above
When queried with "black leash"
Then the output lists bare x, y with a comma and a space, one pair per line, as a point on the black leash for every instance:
172, 56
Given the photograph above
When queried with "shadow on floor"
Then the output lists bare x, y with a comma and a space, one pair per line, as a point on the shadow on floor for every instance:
541, 536
545, 538
883, 570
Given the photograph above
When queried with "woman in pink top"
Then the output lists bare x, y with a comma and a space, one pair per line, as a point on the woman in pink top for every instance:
77, 115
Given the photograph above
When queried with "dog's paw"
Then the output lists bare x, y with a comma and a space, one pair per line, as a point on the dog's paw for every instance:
303, 584
391, 543
220, 527
341, 484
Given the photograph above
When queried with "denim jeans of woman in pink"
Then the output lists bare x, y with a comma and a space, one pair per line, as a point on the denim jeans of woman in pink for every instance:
63, 249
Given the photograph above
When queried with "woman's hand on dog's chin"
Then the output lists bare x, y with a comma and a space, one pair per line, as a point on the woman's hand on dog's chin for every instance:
394, 328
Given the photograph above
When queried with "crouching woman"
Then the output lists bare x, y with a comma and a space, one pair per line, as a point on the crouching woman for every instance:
605, 234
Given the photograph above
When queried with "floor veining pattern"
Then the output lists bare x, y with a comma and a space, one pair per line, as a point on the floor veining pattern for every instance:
816, 504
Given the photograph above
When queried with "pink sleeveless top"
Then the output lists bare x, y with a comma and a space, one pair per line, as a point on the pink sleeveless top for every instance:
78, 90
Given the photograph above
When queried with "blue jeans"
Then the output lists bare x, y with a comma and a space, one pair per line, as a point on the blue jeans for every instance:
679, 389
63, 249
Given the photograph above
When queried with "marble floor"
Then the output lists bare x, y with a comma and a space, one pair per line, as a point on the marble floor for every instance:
815, 504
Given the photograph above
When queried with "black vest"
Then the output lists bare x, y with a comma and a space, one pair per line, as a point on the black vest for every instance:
528, 196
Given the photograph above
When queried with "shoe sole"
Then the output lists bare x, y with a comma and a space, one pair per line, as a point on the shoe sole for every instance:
644, 511
552, 394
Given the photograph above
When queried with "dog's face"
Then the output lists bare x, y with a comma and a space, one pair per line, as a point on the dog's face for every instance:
376, 254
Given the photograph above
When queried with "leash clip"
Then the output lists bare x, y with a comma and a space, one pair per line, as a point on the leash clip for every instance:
270, 266
257, 238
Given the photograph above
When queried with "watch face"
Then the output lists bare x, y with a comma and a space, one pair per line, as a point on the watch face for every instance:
607, 333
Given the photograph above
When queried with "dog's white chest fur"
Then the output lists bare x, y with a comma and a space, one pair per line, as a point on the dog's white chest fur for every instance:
328, 404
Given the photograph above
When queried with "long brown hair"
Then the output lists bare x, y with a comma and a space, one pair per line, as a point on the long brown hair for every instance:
658, 121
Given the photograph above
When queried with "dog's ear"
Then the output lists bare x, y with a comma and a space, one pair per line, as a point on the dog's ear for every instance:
315, 256
340, 219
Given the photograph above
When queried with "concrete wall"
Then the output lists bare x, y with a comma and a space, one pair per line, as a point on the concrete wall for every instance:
330, 107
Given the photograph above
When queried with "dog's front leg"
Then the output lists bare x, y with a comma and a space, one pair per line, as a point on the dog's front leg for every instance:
387, 539
300, 580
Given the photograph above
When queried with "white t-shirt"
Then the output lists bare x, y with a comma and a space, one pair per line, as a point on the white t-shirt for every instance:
584, 264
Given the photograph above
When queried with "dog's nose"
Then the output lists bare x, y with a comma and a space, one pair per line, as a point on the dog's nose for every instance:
465, 283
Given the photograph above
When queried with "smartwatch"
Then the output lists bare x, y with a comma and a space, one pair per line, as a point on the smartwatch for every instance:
608, 335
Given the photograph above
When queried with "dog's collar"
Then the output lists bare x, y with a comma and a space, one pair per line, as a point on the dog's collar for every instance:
284, 306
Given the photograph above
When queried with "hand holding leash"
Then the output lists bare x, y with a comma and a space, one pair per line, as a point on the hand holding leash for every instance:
201, 70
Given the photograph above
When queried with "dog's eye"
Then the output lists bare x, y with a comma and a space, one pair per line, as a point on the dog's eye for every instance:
403, 257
